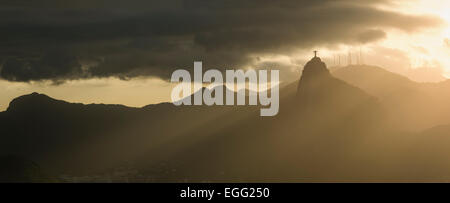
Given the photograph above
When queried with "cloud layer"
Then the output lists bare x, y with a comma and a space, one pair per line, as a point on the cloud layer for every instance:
56, 40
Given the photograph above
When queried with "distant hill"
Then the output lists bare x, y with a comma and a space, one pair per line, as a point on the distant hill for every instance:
411, 105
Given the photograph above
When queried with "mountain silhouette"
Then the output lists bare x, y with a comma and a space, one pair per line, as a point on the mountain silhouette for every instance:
78, 139
317, 87
225, 91
327, 129
410, 105
313, 125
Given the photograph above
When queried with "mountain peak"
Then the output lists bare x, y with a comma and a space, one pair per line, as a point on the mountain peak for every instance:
315, 67
33, 100
313, 76
317, 87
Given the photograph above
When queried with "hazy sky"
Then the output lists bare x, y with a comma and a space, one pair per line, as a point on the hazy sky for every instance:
99, 51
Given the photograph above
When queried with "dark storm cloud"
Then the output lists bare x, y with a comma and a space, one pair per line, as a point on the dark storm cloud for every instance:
56, 66
130, 38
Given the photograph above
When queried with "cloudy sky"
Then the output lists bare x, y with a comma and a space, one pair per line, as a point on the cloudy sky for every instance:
117, 51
